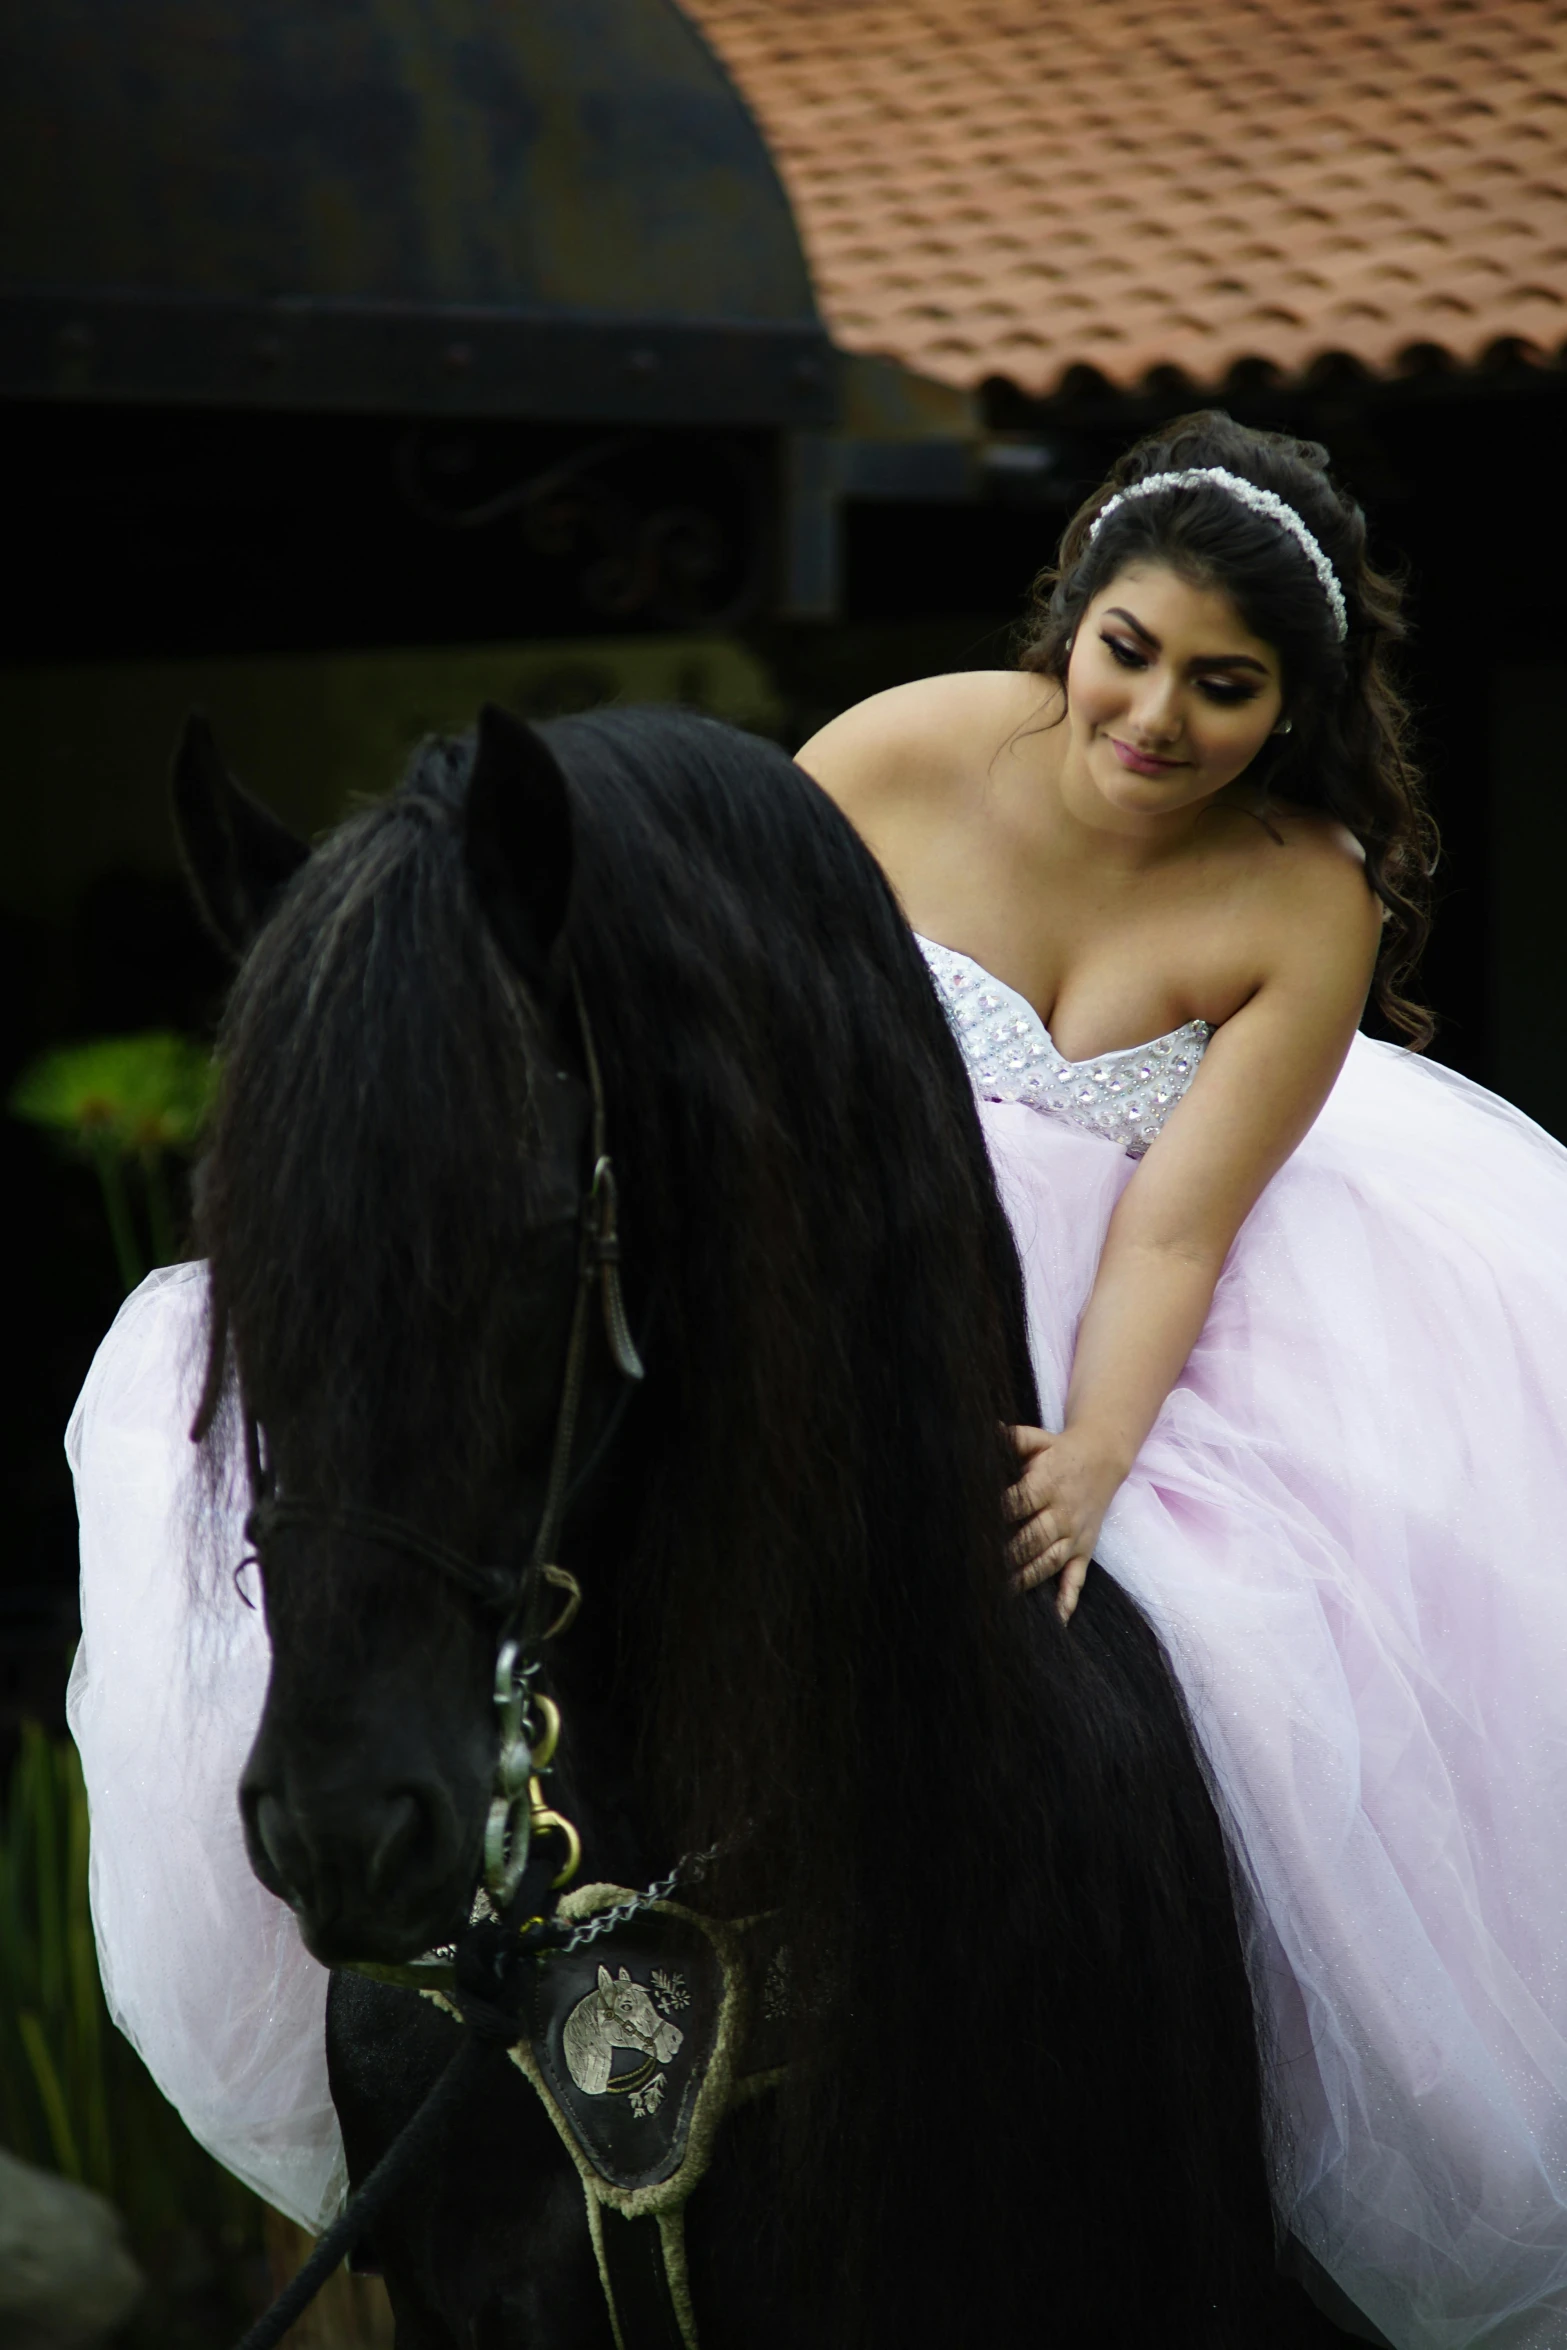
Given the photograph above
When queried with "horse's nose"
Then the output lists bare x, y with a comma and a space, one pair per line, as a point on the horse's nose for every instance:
370, 1872
390, 1833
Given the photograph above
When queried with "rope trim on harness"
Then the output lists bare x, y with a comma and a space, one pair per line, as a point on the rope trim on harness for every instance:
700, 2006
479, 1985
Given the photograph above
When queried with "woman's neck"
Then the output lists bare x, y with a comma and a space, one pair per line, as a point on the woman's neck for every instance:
1076, 824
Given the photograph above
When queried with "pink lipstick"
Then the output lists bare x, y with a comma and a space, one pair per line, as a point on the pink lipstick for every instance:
1141, 762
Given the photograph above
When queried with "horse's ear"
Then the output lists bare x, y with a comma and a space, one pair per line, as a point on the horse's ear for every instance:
237, 856
606, 1979
517, 827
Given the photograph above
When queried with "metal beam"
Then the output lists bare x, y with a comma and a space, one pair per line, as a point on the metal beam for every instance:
412, 359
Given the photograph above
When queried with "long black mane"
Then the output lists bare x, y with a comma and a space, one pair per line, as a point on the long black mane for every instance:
1007, 1901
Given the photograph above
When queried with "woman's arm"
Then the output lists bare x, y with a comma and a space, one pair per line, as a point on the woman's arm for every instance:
1264, 1077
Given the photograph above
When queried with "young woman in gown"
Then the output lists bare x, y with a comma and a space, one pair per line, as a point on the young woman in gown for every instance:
1299, 1313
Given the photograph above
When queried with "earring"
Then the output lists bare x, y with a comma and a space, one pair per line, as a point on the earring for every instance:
1285, 726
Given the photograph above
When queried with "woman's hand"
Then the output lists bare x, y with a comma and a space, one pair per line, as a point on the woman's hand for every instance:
1065, 1484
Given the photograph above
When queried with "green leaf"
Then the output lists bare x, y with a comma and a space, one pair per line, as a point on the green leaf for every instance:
141, 1094
62, 2138
74, 2096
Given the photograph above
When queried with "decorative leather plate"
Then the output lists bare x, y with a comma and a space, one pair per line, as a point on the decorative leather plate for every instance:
623, 2031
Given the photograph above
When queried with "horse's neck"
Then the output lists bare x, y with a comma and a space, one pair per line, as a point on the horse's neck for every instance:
604, 1688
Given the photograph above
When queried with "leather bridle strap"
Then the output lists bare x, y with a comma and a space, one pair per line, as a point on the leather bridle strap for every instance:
519, 1601
494, 1587
598, 1270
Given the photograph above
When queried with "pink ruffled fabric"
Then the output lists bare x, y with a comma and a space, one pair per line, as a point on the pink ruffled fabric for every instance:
1350, 1526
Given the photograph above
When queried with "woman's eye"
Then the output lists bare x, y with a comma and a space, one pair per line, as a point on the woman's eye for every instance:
1226, 692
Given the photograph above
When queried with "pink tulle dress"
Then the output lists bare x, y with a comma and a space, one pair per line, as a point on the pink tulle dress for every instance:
1349, 1525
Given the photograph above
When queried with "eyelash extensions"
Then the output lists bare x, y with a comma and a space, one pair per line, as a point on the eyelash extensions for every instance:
1226, 696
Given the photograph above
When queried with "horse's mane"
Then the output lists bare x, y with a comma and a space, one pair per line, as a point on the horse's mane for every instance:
930, 1774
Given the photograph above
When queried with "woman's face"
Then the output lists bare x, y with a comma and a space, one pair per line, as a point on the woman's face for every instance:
1169, 695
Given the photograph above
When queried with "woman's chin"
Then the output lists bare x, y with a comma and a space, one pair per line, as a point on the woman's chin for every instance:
1131, 794
1127, 792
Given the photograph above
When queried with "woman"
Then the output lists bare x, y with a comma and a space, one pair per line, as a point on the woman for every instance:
1299, 1308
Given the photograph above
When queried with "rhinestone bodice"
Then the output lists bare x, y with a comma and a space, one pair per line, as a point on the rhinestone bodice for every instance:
1124, 1097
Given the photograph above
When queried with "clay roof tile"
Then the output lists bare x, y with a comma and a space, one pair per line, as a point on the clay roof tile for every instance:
1023, 188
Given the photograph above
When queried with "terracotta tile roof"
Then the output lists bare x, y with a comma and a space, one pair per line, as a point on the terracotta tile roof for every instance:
1021, 187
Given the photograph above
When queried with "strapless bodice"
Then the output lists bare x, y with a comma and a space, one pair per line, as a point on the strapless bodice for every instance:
1125, 1097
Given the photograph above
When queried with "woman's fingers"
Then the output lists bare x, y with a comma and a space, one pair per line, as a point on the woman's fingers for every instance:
1033, 1491
1059, 1561
1042, 1545
1029, 1506
1035, 1536
1025, 1578
1020, 1501
1025, 1557
1042, 1563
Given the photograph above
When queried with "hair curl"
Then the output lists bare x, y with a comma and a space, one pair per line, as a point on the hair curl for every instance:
1349, 750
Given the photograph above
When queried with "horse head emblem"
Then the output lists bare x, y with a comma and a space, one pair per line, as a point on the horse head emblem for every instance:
618, 2013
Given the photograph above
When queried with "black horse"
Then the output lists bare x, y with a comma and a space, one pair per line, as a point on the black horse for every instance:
1023, 2103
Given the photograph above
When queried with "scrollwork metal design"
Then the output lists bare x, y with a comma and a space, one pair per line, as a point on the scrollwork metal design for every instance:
655, 528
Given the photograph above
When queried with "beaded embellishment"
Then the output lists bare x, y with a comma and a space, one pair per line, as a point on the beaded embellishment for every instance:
1261, 501
1124, 1097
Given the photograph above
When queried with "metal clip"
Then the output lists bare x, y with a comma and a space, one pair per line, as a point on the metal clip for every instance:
542, 1821
509, 1828
549, 1736
602, 1213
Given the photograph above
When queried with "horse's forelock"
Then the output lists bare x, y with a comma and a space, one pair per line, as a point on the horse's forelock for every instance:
373, 1166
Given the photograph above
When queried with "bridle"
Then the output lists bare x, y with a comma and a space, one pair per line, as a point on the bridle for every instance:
522, 1601
483, 1978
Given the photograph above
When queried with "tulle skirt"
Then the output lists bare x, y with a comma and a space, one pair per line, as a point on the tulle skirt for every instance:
203, 1969
1350, 1527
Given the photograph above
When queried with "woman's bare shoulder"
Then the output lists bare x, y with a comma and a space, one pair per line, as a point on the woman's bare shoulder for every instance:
922, 736
1316, 892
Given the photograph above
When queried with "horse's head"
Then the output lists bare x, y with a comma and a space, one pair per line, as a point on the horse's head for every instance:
390, 1207
627, 2010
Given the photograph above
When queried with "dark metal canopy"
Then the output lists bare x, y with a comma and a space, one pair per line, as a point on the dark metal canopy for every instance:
524, 208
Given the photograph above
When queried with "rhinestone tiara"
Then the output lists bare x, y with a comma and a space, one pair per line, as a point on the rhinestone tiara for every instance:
1260, 501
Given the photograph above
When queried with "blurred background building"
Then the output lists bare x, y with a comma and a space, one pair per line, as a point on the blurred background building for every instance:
364, 360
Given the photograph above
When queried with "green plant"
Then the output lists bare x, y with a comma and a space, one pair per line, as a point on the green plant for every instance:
75, 2097
52, 2104
124, 1102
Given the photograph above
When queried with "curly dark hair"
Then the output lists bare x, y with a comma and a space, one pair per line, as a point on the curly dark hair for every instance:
1349, 749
